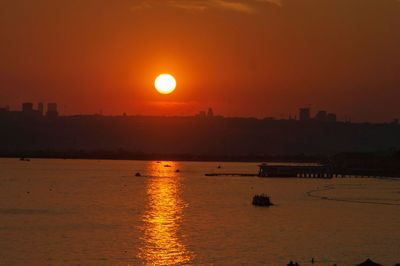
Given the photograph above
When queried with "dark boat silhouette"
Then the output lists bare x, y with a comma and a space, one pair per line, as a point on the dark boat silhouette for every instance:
262, 200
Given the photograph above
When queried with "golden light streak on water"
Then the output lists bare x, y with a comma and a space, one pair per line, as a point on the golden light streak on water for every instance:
162, 218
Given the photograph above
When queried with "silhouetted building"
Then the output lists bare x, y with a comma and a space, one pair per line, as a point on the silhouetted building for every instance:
304, 114
27, 108
29, 112
233, 136
321, 116
331, 117
41, 109
210, 112
3, 111
52, 110
201, 114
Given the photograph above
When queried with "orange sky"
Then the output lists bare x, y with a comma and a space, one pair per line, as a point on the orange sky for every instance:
248, 58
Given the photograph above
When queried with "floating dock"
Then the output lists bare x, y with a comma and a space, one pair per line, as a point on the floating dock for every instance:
229, 174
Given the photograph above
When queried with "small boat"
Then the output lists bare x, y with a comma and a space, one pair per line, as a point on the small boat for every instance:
138, 174
177, 170
167, 165
262, 200
24, 159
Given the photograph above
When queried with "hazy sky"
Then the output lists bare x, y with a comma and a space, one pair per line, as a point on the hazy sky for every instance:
254, 57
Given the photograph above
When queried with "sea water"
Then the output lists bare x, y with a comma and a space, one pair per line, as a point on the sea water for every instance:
97, 212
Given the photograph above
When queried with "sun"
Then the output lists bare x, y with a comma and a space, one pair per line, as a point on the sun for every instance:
165, 83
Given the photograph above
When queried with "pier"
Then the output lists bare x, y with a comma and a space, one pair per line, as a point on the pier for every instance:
322, 171
311, 171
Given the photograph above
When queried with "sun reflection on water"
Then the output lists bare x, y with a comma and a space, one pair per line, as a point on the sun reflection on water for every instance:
162, 218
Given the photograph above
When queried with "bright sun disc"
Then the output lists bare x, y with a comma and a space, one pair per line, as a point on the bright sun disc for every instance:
165, 84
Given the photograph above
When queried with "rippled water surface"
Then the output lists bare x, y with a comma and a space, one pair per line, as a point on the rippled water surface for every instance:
82, 212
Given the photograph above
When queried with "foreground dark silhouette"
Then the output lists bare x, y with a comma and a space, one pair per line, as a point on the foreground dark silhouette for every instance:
369, 262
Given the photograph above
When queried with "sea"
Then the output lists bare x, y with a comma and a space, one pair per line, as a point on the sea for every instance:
102, 212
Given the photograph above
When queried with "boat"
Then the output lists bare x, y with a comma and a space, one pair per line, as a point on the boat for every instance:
262, 200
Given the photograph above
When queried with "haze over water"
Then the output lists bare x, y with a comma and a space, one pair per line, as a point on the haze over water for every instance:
63, 212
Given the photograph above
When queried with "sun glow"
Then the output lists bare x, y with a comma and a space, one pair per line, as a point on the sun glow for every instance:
162, 220
165, 83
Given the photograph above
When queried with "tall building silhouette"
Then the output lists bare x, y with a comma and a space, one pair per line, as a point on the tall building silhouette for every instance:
210, 112
304, 114
52, 110
40, 108
27, 108
321, 116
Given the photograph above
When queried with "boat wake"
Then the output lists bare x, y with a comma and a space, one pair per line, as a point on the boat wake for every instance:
318, 193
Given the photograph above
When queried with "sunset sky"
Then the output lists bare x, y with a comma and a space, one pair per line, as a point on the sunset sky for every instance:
243, 58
